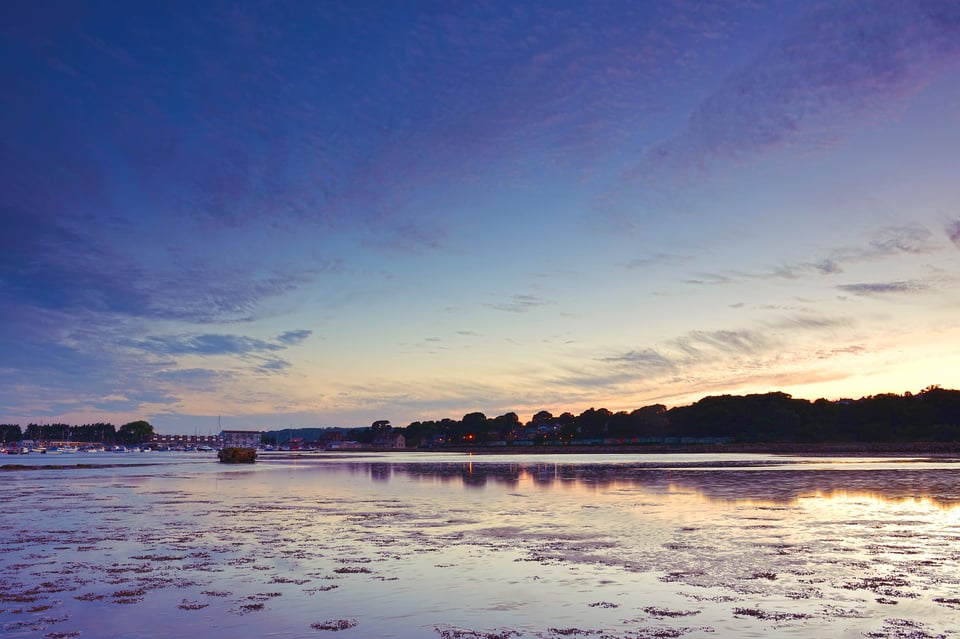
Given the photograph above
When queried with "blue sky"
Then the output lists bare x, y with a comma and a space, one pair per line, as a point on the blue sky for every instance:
322, 214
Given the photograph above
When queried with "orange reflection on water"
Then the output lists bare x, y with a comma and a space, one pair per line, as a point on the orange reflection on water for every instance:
779, 486
753, 496
921, 503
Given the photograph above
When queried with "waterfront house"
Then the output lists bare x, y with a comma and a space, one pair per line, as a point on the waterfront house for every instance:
389, 439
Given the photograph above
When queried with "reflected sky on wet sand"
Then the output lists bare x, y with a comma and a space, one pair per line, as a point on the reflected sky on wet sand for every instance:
453, 546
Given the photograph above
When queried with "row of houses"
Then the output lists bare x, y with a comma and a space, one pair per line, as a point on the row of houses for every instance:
225, 439
252, 439
173, 441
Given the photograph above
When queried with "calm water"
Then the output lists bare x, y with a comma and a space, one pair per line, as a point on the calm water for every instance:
454, 546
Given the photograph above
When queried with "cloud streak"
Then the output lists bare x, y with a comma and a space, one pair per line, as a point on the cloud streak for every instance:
882, 288
520, 303
953, 232
886, 243
217, 344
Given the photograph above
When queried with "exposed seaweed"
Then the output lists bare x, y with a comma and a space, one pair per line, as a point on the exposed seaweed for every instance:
768, 615
660, 613
335, 625
903, 629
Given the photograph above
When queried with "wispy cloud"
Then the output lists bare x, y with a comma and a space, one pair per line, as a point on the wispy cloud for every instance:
216, 344
882, 288
644, 361
214, 294
273, 365
711, 279
894, 240
294, 337
203, 379
657, 259
520, 303
52, 266
810, 322
953, 232
826, 266
827, 354
692, 358
743, 342
886, 243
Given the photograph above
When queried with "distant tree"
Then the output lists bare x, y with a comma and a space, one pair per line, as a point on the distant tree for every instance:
621, 425
47, 432
473, 428
98, 432
508, 419
942, 410
420, 433
541, 418
449, 430
568, 426
507, 426
380, 426
10, 433
474, 419
933, 414
651, 421
594, 422
362, 435
135, 432
57, 431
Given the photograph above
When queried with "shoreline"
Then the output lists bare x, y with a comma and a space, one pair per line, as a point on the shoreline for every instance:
850, 449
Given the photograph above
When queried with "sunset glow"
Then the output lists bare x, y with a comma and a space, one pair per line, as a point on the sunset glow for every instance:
271, 215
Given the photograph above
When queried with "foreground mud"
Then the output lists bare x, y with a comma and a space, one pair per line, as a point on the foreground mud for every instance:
464, 549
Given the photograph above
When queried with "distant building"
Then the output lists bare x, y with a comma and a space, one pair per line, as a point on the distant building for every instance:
389, 439
240, 438
185, 441
343, 445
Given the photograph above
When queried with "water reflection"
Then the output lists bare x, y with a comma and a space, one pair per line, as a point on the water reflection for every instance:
783, 484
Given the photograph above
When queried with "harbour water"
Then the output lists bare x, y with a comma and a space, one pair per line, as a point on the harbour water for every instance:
410, 545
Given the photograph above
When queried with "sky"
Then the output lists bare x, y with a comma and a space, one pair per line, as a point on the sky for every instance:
282, 214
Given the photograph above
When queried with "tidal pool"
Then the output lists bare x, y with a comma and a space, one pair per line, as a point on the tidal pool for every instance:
490, 546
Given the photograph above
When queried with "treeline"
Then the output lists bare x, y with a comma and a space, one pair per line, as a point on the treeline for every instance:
130, 433
930, 415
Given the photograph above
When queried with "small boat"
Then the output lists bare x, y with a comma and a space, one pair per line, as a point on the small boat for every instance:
237, 455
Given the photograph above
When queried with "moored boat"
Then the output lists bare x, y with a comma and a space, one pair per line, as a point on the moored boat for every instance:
236, 455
